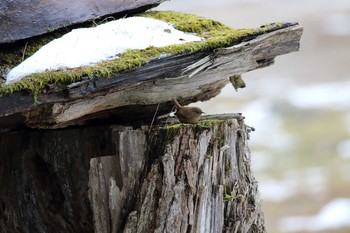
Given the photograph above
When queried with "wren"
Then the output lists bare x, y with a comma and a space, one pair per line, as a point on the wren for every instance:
187, 115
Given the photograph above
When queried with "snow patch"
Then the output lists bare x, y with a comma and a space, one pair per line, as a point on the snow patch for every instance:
277, 191
337, 24
261, 113
334, 215
343, 149
332, 95
89, 46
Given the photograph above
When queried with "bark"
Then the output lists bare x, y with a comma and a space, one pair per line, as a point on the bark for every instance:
178, 178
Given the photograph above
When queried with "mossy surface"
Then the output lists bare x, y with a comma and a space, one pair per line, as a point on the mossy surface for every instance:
170, 131
200, 124
215, 33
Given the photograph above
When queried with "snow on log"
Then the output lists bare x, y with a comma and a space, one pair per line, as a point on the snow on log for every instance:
134, 95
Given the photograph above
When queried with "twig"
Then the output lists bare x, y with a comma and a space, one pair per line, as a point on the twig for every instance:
24, 51
252, 218
154, 116
237, 226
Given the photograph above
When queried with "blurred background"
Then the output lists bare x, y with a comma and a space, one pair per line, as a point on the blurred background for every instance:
300, 107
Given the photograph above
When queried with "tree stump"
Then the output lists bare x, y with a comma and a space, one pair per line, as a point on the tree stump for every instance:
81, 155
177, 178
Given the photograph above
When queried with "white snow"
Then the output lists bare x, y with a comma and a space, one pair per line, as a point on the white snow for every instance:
88, 46
331, 95
343, 149
310, 181
261, 112
337, 24
276, 191
334, 215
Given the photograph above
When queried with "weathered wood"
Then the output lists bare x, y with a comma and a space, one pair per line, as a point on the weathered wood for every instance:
200, 182
44, 179
43, 16
181, 178
135, 95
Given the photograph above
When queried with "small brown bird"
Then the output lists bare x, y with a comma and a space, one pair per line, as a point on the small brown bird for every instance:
187, 115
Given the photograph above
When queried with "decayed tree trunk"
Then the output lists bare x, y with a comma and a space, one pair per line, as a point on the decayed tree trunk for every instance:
179, 178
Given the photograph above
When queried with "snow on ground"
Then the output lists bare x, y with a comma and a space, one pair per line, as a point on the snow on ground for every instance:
276, 191
88, 46
310, 181
261, 113
334, 215
343, 149
331, 95
337, 24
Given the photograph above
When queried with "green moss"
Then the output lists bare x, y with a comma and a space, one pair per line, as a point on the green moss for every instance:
215, 33
169, 132
172, 127
209, 122
229, 195
200, 124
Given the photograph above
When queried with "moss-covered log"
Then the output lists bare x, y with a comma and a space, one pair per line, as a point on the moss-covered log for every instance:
132, 87
179, 178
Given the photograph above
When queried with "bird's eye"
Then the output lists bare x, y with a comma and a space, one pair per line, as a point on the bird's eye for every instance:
198, 111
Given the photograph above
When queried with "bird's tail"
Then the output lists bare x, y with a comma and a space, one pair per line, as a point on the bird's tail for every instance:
177, 103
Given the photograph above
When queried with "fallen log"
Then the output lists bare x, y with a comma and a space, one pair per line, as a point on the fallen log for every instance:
134, 95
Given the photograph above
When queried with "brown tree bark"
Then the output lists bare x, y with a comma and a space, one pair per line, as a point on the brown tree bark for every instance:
178, 178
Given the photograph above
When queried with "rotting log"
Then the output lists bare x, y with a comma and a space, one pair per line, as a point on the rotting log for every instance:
177, 178
134, 96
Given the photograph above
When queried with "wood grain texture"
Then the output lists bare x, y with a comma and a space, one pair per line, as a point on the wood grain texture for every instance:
44, 178
197, 179
134, 95
181, 178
